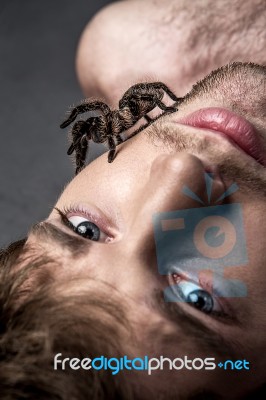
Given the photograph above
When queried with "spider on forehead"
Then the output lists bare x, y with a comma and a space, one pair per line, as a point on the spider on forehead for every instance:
107, 127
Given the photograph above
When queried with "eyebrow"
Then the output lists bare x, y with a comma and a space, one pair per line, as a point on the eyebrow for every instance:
66, 241
207, 338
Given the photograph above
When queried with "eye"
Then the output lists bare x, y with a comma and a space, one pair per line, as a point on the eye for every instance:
195, 296
83, 226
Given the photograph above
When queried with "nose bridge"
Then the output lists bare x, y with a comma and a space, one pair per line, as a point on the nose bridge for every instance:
131, 274
164, 192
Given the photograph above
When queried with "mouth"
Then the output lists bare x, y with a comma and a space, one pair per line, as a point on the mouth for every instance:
237, 129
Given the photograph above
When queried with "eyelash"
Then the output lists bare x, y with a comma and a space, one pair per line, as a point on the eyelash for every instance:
63, 216
66, 212
203, 283
207, 287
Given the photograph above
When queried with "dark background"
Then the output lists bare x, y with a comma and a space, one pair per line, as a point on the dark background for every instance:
38, 41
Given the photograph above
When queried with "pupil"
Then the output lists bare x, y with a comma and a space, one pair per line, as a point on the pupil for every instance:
201, 300
88, 230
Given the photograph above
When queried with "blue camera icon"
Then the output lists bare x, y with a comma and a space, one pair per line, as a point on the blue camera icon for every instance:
202, 238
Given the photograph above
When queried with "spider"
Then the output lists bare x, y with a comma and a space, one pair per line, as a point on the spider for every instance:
135, 104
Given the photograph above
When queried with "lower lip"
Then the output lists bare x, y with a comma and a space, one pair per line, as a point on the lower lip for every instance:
231, 125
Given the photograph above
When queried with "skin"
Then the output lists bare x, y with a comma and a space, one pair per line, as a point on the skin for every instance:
157, 163
179, 45
174, 41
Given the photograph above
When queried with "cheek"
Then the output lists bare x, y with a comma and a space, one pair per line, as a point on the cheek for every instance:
255, 233
255, 271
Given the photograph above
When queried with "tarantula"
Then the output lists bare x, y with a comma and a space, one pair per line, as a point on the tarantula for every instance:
135, 104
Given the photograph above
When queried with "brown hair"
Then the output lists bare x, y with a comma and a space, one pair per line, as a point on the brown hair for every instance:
43, 318
37, 323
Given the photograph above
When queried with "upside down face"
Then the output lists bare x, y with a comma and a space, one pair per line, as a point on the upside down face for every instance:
218, 135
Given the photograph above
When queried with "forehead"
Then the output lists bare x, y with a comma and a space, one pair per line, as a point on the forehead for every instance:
131, 165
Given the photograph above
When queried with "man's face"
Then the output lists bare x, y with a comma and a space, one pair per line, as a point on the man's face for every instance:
147, 179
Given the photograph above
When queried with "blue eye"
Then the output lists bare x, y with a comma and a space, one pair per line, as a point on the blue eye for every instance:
201, 299
85, 228
82, 226
194, 295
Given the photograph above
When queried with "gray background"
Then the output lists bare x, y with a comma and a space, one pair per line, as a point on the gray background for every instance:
38, 41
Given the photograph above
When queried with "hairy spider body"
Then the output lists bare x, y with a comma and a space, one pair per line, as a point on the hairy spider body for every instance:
107, 127
144, 97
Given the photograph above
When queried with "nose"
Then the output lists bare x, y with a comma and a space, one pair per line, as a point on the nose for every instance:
172, 181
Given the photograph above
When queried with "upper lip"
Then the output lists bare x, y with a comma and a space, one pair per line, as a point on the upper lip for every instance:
235, 127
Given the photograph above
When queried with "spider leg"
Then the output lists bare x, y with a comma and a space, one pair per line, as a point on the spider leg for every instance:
70, 149
74, 144
161, 85
112, 149
148, 119
80, 137
119, 139
81, 152
82, 108
146, 125
79, 129
165, 108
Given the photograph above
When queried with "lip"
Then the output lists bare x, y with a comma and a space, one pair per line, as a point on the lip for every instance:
236, 128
